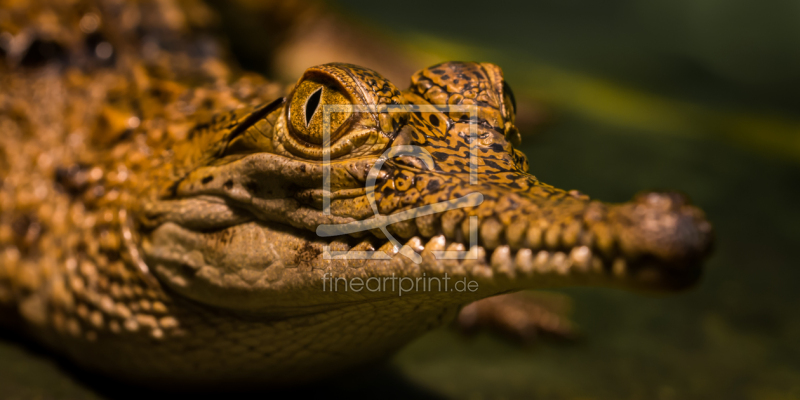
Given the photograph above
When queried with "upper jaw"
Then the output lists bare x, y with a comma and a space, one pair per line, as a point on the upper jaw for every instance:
657, 242
524, 240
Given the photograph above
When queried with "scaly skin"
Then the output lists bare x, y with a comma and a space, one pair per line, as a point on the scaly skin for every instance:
159, 209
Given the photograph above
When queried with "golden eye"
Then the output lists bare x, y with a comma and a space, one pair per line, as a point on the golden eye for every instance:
307, 110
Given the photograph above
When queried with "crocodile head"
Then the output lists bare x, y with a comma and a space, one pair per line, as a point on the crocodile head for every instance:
350, 177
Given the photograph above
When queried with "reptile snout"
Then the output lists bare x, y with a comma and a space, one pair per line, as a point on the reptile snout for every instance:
666, 225
665, 236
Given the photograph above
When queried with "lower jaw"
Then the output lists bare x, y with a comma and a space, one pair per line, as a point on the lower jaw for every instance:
253, 266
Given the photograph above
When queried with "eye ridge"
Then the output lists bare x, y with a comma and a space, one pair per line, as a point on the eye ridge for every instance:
312, 104
507, 89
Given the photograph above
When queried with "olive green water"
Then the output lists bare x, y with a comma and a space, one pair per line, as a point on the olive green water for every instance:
694, 96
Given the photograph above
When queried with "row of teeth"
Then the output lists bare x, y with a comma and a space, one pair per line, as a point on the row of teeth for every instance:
518, 234
503, 261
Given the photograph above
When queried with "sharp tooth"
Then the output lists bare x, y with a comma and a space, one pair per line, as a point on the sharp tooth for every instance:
560, 262
491, 229
552, 237
410, 253
404, 229
524, 261
482, 271
604, 239
620, 267
515, 234
467, 231
534, 237
430, 262
388, 248
542, 261
581, 257
451, 222
571, 234
481, 254
475, 263
363, 246
476, 254
454, 265
428, 225
501, 261
416, 244
455, 247
437, 243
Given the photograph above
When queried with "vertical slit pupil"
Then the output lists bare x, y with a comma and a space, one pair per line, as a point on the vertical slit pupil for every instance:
312, 104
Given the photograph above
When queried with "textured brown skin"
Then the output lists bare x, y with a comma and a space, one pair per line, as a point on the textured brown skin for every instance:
158, 207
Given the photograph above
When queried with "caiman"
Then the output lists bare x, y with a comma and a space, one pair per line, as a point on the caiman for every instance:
167, 218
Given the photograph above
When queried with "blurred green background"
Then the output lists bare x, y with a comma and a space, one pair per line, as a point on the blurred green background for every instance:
695, 95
